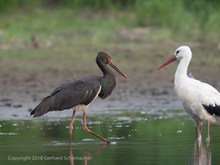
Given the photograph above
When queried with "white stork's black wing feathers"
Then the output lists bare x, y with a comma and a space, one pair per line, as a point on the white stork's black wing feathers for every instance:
212, 110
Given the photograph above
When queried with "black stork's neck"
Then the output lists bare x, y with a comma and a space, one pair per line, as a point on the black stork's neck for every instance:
107, 81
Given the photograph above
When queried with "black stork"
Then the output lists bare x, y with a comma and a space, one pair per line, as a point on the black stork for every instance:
78, 94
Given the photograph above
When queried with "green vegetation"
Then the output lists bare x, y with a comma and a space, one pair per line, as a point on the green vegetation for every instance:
193, 19
183, 16
78, 29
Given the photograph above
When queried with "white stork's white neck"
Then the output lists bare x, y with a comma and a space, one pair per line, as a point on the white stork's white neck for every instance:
181, 71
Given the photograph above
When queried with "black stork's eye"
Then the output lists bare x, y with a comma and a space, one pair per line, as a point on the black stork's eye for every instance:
108, 58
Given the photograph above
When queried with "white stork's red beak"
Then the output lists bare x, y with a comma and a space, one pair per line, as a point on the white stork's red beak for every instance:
169, 60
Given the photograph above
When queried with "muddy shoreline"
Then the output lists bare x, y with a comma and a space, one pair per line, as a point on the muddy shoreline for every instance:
149, 94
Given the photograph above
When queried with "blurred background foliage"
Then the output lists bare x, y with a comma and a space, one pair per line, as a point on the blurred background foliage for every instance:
42, 29
178, 16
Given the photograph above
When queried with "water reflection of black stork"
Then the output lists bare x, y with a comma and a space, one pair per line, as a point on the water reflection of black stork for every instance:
78, 94
87, 155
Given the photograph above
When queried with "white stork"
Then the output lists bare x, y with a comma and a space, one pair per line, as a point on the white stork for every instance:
200, 100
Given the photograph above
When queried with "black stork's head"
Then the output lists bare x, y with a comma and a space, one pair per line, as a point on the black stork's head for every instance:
103, 59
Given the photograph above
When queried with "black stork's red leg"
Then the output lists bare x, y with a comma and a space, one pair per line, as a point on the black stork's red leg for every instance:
71, 125
91, 132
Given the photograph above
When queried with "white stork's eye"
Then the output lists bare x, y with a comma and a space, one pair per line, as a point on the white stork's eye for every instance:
177, 51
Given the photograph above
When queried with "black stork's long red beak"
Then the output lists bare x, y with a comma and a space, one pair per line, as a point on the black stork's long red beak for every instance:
169, 60
117, 69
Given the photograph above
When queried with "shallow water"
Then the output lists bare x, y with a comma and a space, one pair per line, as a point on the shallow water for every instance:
147, 139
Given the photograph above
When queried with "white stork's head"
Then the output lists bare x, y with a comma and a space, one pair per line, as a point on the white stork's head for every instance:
183, 52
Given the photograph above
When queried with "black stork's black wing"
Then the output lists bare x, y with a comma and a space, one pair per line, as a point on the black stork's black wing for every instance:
69, 95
